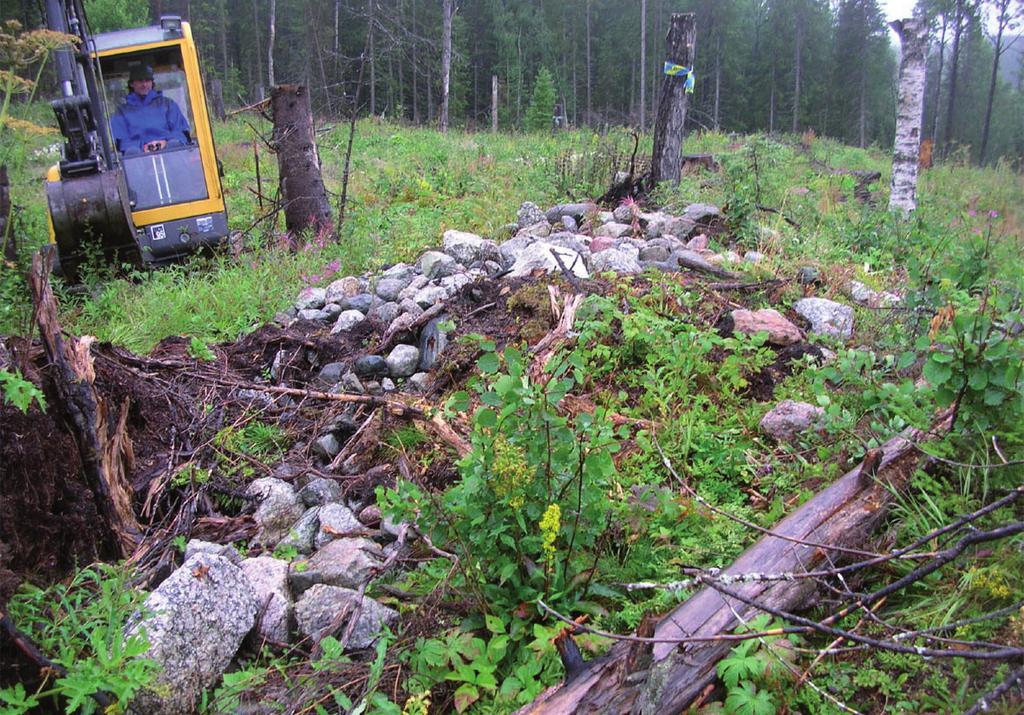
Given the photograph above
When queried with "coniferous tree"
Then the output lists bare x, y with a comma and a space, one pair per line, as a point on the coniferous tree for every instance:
542, 102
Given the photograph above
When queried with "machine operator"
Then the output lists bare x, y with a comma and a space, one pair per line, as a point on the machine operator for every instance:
147, 121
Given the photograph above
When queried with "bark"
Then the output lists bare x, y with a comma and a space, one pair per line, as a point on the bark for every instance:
259, 50
302, 186
590, 106
951, 100
798, 50
643, 65
103, 444
670, 121
371, 59
718, 81
913, 34
223, 32
446, 60
272, 32
415, 69
667, 677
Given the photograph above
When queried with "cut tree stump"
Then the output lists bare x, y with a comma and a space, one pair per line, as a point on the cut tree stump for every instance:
667, 677
302, 185
99, 432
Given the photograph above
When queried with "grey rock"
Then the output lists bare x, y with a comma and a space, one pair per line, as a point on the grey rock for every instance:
347, 320
872, 298
269, 580
827, 317
197, 546
541, 229
279, 508
754, 257
569, 240
617, 260
575, 211
433, 341
454, 282
468, 247
529, 214
320, 491
698, 243
514, 247
326, 447
702, 213
435, 264
311, 298
570, 224
402, 272
384, 313
419, 382
335, 519
300, 536
331, 373
654, 253
370, 366
540, 256
343, 288
808, 275
411, 307
606, 216
319, 607
360, 301
370, 516
389, 288
387, 384
373, 388
198, 618
342, 562
613, 230
350, 383
403, 360
276, 365
430, 295
692, 259
415, 285
623, 213
332, 310
313, 314
492, 267
788, 419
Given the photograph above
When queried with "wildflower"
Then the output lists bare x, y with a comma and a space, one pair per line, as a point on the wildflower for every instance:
972, 213
993, 214
550, 524
511, 472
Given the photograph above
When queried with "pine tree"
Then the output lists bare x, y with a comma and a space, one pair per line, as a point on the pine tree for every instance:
542, 102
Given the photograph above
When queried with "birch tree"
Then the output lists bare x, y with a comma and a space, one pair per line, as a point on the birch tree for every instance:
913, 34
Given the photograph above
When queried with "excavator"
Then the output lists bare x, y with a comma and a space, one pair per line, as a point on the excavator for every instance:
117, 204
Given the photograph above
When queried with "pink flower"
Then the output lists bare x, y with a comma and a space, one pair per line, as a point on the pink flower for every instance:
972, 213
993, 214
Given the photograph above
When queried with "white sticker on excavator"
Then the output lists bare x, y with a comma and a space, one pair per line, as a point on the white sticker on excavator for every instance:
204, 224
158, 232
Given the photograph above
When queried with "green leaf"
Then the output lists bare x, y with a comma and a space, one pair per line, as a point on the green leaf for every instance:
940, 357
465, 696
994, 397
906, 360
488, 363
459, 401
494, 624
486, 418
936, 373
978, 379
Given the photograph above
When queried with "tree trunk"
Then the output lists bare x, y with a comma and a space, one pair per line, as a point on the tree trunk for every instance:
951, 100
670, 121
271, 34
371, 51
666, 677
103, 444
913, 34
7, 237
259, 50
302, 187
446, 60
862, 122
222, 10
590, 105
938, 82
415, 69
217, 98
797, 70
1004, 18
494, 103
643, 65
718, 81
771, 101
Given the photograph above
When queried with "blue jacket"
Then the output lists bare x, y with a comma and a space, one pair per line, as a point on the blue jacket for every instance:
141, 120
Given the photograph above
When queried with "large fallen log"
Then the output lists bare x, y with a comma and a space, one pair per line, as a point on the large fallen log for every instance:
668, 672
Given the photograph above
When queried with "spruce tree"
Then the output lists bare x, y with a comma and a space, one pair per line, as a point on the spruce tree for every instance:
542, 102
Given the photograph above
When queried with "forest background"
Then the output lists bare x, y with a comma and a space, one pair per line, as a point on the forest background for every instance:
761, 65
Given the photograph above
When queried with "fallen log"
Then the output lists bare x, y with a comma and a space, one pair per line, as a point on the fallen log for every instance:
666, 673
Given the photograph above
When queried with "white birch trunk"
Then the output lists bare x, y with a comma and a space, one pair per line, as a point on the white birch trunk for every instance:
913, 33
271, 81
446, 60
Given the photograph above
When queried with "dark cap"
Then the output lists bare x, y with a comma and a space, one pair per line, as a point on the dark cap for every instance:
140, 72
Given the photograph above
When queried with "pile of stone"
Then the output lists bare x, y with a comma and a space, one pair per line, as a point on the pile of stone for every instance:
201, 615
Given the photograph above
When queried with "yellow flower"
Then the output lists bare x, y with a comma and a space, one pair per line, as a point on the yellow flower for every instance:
511, 472
550, 524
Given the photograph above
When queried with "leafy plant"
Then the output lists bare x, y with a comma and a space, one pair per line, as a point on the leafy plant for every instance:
81, 625
20, 392
755, 669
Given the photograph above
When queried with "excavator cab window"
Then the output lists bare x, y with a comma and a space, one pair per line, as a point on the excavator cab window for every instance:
173, 173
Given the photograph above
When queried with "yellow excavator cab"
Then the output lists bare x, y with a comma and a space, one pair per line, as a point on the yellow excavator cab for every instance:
135, 202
